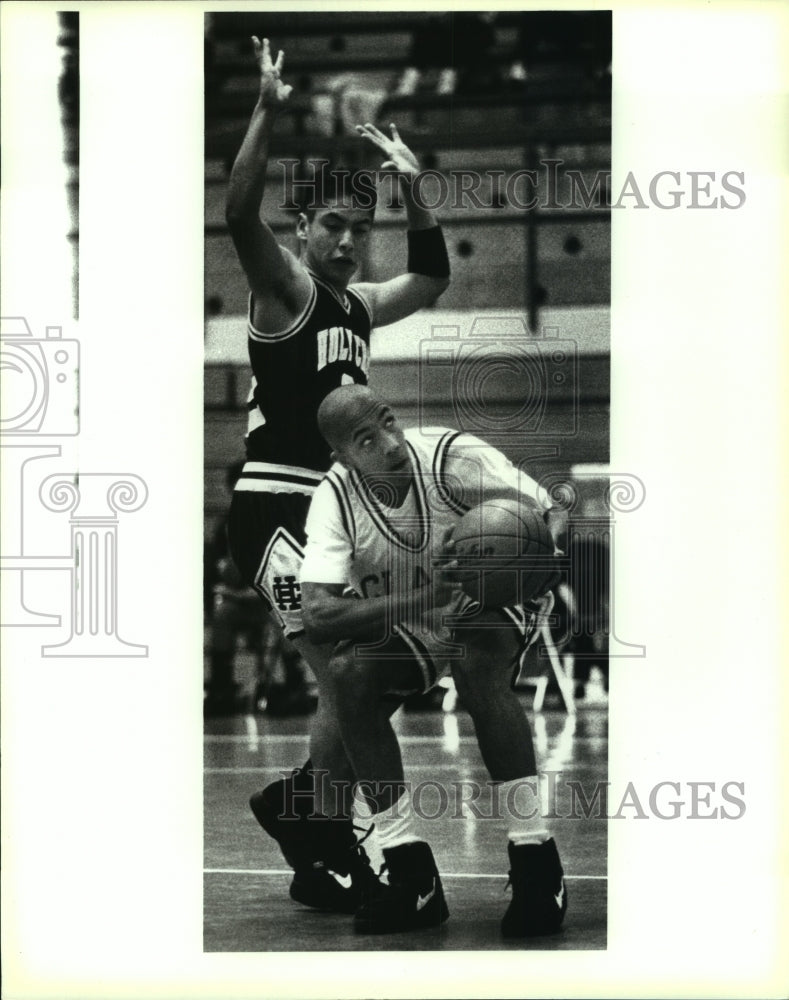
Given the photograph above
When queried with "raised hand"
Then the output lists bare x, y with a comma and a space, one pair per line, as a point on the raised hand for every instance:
273, 92
398, 156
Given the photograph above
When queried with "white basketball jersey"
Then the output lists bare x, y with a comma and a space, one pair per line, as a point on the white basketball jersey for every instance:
355, 538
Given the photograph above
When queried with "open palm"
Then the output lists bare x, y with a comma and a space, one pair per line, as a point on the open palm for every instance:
273, 92
397, 155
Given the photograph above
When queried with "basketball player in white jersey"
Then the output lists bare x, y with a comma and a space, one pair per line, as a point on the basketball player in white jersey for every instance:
309, 332
380, 523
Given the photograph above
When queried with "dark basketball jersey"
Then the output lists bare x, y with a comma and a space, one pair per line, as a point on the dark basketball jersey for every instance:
294, 370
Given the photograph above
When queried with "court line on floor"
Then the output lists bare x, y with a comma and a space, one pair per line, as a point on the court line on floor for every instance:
288, 871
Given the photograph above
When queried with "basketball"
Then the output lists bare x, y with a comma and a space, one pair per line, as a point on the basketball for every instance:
505, 553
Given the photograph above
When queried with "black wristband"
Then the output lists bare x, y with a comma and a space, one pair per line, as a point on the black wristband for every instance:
427, 253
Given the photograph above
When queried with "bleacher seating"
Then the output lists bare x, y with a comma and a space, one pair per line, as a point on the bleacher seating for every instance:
501, 257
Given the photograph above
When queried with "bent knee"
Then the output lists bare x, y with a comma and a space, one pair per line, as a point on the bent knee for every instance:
467, 678
477, 677
349, 673
364, 683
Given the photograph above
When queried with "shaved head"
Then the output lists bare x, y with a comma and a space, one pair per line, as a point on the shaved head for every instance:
366, 438
343, 409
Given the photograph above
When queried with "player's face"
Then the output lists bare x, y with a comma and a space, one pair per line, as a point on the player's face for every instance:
336, 242
375, 446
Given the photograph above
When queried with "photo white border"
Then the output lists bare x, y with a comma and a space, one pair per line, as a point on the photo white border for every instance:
102, 831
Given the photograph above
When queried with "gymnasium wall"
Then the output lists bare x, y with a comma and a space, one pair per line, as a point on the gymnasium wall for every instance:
540, 276
560, 258
550, 415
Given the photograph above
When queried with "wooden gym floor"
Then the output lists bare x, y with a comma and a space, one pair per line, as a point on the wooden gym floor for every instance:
246, 903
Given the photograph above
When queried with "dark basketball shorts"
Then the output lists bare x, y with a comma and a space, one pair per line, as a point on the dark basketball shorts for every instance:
420, 657
267, 538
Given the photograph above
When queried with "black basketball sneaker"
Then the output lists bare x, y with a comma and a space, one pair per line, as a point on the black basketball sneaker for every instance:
539, 895
413, 897
331, 870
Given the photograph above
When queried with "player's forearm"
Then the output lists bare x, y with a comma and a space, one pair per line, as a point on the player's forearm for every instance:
333, 619
417, 215
248, 176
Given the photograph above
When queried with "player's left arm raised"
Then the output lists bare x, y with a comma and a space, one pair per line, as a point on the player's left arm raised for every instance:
428, 262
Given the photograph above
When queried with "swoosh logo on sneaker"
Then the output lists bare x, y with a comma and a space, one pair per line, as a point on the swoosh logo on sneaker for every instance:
559, 897
422, 901
344, 880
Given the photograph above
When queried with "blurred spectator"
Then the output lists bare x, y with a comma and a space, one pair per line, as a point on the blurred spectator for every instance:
584, 610
454, 53
347, 101
581, 39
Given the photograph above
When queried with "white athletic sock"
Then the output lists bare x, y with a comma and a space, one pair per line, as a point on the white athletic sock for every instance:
521, 806
394, 826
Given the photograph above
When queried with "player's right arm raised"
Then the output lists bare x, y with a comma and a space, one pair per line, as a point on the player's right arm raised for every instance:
279, 284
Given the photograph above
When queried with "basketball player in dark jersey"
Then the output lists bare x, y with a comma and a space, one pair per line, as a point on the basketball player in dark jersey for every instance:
309, 332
